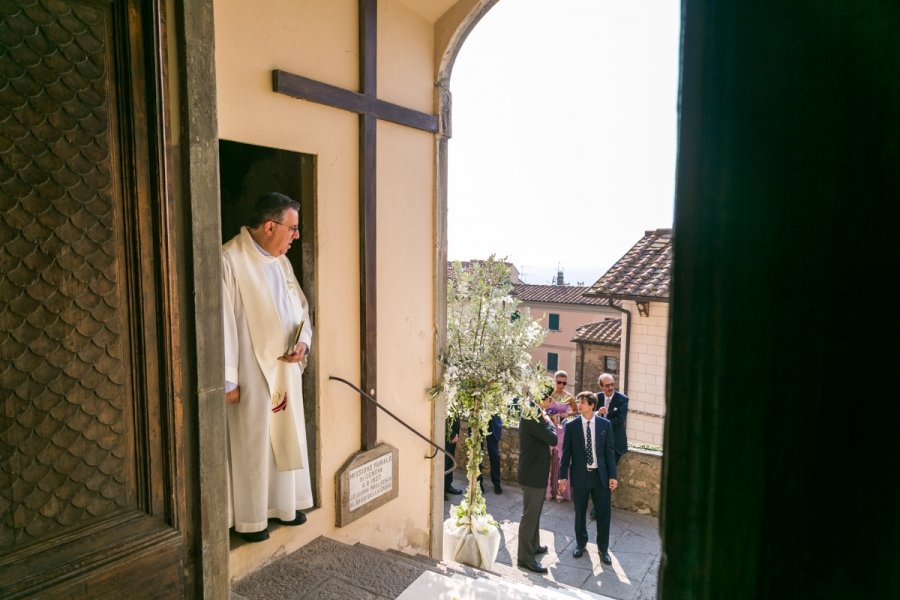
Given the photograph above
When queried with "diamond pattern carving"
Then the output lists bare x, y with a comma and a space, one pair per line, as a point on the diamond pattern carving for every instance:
63, 430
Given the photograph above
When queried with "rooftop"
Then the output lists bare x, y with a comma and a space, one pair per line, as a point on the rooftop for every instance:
602, 332
559, 294
643, 274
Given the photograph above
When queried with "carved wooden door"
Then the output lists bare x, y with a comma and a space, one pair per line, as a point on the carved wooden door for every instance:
91, 491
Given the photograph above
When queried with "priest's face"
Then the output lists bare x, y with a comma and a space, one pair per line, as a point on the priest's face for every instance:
282, 232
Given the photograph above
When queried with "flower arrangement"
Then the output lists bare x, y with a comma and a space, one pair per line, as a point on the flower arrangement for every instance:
487, 365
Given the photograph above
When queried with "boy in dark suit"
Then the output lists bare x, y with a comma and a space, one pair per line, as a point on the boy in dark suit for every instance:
589, 459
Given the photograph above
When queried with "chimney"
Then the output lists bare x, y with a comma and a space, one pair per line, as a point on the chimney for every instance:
559, 278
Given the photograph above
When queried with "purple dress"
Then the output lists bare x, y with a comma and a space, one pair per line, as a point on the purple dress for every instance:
556, 408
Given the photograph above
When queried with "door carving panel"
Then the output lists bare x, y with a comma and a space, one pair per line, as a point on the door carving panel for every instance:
89, 491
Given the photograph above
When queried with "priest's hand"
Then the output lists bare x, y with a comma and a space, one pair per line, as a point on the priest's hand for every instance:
299, 353
234, 396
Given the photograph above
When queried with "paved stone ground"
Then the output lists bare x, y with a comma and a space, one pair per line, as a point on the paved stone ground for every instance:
326, 569
634, 545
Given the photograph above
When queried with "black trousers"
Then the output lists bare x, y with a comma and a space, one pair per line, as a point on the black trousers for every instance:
597, 491
493, 452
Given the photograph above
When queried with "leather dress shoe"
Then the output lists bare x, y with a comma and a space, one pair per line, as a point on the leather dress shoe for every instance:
452, 490
577, 552
534, 566
604, 556
541, 550
299, 519
255, 536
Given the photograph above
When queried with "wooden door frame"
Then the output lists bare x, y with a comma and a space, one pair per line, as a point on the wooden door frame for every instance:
195, 192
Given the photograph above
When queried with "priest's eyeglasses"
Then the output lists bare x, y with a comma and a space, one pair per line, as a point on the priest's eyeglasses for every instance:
293, 228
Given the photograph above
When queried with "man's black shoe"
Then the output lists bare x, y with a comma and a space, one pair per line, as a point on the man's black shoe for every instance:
533, 566
577, 552
299, 519
452, 490
498, 489
255, 536
541, 550
604, 556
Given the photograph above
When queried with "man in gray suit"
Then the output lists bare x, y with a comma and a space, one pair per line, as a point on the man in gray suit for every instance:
536, 437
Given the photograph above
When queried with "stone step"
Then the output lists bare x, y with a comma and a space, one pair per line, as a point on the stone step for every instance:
327, 568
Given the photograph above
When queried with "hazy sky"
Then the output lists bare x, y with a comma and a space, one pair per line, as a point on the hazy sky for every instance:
564, 128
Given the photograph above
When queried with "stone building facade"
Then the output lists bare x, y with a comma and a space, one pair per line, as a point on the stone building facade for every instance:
598, 350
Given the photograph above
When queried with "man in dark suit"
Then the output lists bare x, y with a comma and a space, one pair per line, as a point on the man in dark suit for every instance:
492, 442
612, 405
589, 460
536, 437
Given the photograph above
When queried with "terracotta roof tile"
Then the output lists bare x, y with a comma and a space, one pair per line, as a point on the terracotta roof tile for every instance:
601, 332
560, 294
644, 273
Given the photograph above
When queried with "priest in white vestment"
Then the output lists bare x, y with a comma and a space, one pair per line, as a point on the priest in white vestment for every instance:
267, 338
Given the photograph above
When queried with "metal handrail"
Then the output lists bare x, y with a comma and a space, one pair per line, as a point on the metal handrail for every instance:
401, 421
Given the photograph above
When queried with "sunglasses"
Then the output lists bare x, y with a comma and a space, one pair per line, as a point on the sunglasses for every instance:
560, 382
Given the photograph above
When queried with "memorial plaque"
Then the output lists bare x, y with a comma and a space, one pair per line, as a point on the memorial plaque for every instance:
367, 481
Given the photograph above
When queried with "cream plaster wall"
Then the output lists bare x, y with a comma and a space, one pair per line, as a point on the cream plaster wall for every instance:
647, 377
318, 39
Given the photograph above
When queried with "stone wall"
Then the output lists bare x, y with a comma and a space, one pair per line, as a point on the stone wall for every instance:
640, 472
591, 363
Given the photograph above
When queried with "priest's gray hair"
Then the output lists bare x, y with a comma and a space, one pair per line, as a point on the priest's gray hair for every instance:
270, 207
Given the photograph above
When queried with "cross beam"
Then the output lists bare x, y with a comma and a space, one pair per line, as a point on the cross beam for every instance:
369, 108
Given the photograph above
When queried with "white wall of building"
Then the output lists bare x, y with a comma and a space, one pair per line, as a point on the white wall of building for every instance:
647, 373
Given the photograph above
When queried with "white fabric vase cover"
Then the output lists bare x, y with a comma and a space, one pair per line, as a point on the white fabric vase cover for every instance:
477, 545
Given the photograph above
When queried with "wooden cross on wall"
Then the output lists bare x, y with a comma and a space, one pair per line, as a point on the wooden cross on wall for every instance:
370, 109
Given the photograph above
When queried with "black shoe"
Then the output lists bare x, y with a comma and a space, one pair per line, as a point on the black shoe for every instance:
578, 551
452, 490
534, 566
256, 536
604, 556
498, 489
541, 550
299, 519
